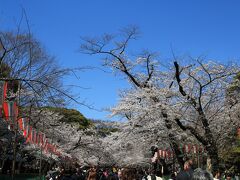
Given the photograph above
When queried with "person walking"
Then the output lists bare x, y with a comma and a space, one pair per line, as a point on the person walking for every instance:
92, 175
186, 173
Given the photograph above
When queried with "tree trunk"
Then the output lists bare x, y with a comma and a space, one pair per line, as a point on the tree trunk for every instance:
213, 154
176, 150
173, 141
210, 144
3, 162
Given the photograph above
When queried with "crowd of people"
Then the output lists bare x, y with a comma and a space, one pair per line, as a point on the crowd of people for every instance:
113, 173
189, 173
93, 173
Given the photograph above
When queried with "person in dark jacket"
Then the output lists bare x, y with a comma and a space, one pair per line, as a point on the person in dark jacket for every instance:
78, 175
186, 173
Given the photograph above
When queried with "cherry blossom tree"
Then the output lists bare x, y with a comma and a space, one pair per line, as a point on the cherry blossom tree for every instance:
173, 101
202, 96
143, 74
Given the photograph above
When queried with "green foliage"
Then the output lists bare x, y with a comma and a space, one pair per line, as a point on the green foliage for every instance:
5, 70
104, 131
235, 84
231, 158
13, 86
72, 116
237, 77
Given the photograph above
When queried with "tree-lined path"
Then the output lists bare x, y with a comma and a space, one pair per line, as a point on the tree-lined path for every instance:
170, 114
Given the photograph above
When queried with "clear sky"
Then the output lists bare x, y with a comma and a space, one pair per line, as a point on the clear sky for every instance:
196, 27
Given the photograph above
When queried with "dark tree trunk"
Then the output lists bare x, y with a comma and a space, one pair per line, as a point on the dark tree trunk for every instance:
213, 154
173, 141
176, 150
207, 139
210, 144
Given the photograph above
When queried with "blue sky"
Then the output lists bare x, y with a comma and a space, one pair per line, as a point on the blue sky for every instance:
200, 27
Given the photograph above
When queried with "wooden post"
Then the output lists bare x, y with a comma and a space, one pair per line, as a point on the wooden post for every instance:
15, 126
14, 148
3, 161
40, 168
198, 156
